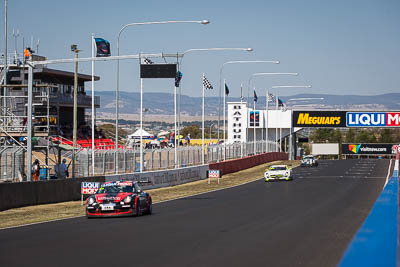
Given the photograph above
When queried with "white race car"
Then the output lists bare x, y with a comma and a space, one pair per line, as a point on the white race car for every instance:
278, 172
309, 161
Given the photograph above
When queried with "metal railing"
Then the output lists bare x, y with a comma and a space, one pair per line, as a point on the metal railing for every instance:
13, 159
162, 159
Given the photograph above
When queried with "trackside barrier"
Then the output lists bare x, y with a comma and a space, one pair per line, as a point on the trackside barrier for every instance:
235, 165
375, 243
156, 179
15, 195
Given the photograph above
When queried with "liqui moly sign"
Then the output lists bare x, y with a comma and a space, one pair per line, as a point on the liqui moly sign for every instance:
373, 119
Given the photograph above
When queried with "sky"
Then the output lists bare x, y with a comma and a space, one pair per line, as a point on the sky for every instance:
338, 47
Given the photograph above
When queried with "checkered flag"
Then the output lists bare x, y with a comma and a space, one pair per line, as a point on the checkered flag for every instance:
147, 61
206, 83
271, 98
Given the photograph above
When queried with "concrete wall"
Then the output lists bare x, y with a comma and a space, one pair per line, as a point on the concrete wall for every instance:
247, 162
14, 195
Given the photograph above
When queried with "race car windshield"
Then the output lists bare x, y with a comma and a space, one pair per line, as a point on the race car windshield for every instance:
115, 189
278, 168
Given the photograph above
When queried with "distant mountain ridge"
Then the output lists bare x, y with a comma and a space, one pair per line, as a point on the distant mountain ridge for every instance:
163, 103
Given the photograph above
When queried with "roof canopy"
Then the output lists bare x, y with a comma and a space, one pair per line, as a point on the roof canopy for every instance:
145, 135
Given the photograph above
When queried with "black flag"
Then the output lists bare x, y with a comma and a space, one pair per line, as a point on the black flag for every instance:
226, 89
103, 47
178, 78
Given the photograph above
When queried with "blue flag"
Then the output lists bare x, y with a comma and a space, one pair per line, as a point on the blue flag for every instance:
103, 47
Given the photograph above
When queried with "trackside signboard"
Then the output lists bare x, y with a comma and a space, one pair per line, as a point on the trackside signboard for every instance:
89, 188
319, 118
373, 119
368, 149
356, 119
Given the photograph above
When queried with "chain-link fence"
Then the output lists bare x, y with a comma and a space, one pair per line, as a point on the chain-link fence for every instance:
12, 164
162, 159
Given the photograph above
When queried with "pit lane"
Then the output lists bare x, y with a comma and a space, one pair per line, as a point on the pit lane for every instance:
305, 222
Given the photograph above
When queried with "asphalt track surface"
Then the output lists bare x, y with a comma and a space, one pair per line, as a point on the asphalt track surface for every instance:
305, 222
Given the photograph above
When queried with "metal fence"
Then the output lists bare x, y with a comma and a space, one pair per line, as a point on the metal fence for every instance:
162, 159
13, 159
12, 164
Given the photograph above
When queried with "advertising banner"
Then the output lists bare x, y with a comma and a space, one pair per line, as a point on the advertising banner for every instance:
89, 188
373, 119
254, 118
368, 149
319, 118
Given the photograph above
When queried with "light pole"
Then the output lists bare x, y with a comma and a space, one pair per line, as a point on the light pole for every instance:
248, 49
248, 90
220, 81
141, 82
277, 104
74, 48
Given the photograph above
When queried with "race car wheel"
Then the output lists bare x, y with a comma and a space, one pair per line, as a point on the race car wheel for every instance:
138, 210
150, 207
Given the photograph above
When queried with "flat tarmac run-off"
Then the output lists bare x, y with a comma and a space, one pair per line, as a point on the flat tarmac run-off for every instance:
305, 222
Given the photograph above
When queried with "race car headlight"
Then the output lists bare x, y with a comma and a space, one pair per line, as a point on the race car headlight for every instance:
91, 200
128, 199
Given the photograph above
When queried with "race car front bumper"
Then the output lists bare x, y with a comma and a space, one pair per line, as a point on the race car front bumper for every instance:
110, 210
277, 178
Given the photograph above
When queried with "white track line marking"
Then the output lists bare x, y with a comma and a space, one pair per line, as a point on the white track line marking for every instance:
387, 177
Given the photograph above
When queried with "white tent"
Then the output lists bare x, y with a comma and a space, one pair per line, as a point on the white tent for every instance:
145, 135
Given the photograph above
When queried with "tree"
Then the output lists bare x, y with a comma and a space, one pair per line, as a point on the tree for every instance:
193, 130
364, 136
351, 136
386, 136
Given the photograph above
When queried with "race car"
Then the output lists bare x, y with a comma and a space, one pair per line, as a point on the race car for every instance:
278, 172
119, 198
309, 161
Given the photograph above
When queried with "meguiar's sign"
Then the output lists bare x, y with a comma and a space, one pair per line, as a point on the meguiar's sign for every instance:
319, 118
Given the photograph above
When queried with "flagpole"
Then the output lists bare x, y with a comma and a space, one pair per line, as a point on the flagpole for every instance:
93, 123
254, 123
276, 128
224, 119
175, 148
241, 93
267, 121
141, 124
202, 125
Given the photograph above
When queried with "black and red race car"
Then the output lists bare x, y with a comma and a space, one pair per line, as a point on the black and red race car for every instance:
120, 198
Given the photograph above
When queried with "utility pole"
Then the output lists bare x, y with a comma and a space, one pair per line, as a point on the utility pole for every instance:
74, 48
